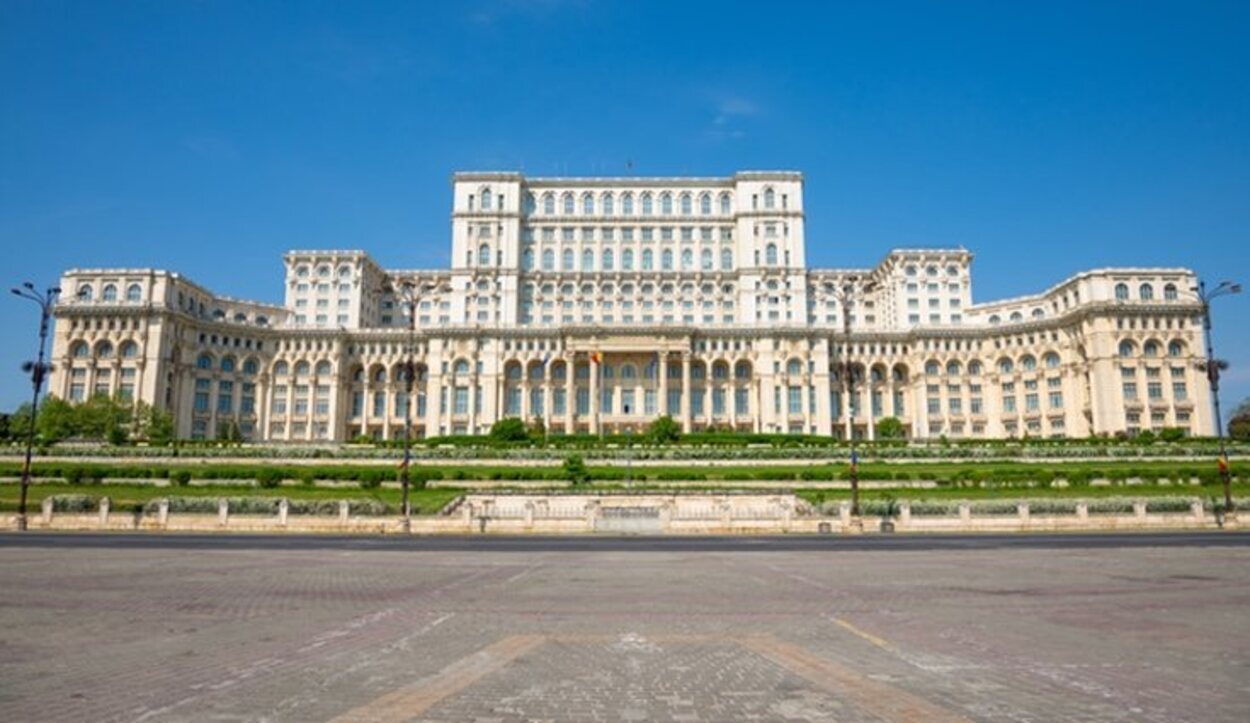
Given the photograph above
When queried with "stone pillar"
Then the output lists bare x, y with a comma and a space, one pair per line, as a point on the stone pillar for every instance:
548, 410
844, 514
1195, 509
570, 391
529, 515
965, 512
595, 399
284, 507
1139, 510
1082, 511
904, 513
1022, 510
223, 512
105, 504
344, 512
685, 392
473, 389
663, 372
162, 513
46, 509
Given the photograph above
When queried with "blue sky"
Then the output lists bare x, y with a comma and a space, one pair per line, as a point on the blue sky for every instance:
209, 137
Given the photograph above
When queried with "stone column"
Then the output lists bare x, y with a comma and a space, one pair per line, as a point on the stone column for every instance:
284, 507
105, 503
223, 512
547, 394
595, 400
570, 391
45, 507
473, 387
663, 372
365, 401
685, 391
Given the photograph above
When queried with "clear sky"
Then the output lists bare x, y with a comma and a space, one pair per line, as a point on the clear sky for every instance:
209, 137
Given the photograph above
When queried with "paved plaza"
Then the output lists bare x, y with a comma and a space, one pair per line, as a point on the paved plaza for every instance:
161, 630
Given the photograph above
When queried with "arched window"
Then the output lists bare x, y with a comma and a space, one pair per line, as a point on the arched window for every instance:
705, 204
606, 206
627, 260
770, 198
80, 350
1051, 360
227, 363
204, 362
647, 208
995, 320
1126, 348
567, 199
104, 350
250, 366
588, 260
1121, 292
705, 259
627, 204
742, 370
1028, 362
134, 292
323, 368
1038, 313
566, 260
686, 208
666, 260
725, 204
666, 203
720, 370
648, 260
770, 255
974, 368
129, 350
794, 367
1017, 316
588, 204
461, 367
240, 317
549, 203
549, 260
607, 371
726, 259
85, 293
281, 369
1150, 348
608, 259
1169, 292
1146, 292
629, 371
483, 255
110, 293
379, 375
486, 199
1005, 366
531, 204
527, 259
953, 369
687, 259
932, 369
302, 369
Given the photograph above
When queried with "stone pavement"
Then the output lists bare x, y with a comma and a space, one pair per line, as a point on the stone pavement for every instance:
153, 634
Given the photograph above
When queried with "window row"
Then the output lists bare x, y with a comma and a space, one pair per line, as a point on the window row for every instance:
606, 203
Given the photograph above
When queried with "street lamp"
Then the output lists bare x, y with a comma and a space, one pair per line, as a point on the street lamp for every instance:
846, 295
1213, 367
38, 369
408, 297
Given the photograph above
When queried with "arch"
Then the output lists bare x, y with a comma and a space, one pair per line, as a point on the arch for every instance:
627, 204
302, 368
698, 369
742, 369
666, 260
85, 292
974, 368
1017, 316
323, 368
79, 350
666, 204
486, 199
687, 259
549, 203
720, 368
566, 260
1028, 362
1176, 348
204, 361
606, 205
877, 373
705, 260
608, 260
705, 203
932, 368
953, 368
527, 259
1051, 360
794, 367
1121, 292
483, 255
1038, 313
726, 259
588, 204
460, 367
1151, 348
1127, 348
725, 204
686, 204
549, 260
250, 366
995, 320
568, 203
1169, 292
1146, 292
770, 197
627, 260
770, 254
104, 350
588, 260
134, 292
647, 207
900, 373
535, 371
281, 368
1005, 366
227, 363
531, 204
559, 370
240, 317
128, 349
109, 293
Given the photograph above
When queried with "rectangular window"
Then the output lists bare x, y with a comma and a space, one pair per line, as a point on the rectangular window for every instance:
605, 401
512, 403
1031, 402
1130, 391
1009, 404
536, 403
742, 404
696, 402
718, 402
794, 400
1154, 390
379, 404
583, 401
648, 402
558, 406
627, 402
1056, 400
956, 405
673, 407
1179, 392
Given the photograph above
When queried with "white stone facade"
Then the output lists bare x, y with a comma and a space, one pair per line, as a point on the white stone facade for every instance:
598, 304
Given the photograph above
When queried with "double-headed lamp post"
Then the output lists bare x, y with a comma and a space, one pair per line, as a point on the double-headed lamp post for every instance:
408, 296
38, 371
1213, 367
846, 295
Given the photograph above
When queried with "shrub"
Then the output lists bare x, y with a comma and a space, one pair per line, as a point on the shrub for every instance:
74, 503
575, 470
509, 429
180, 477
268, 477
664, 430
74, 475
1168, 504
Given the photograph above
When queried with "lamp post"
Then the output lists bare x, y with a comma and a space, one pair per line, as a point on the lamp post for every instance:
1213, 367
408, 296
38, 370
845, 295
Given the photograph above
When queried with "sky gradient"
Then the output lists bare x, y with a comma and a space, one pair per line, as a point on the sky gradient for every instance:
208, 138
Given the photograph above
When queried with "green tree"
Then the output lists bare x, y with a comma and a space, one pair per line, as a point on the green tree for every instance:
575, 470
103, 418
156, 425
17, 424
1239, 425
890, 428
663, 430
509, 429
58, 420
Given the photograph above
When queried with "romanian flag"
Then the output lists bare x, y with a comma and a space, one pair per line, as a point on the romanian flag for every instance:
1222, 462
406, 460
854, 461
596, 357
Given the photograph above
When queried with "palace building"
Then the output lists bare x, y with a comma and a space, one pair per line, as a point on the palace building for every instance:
599, 304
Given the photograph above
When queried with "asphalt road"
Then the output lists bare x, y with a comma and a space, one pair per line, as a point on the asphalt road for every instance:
639, 543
